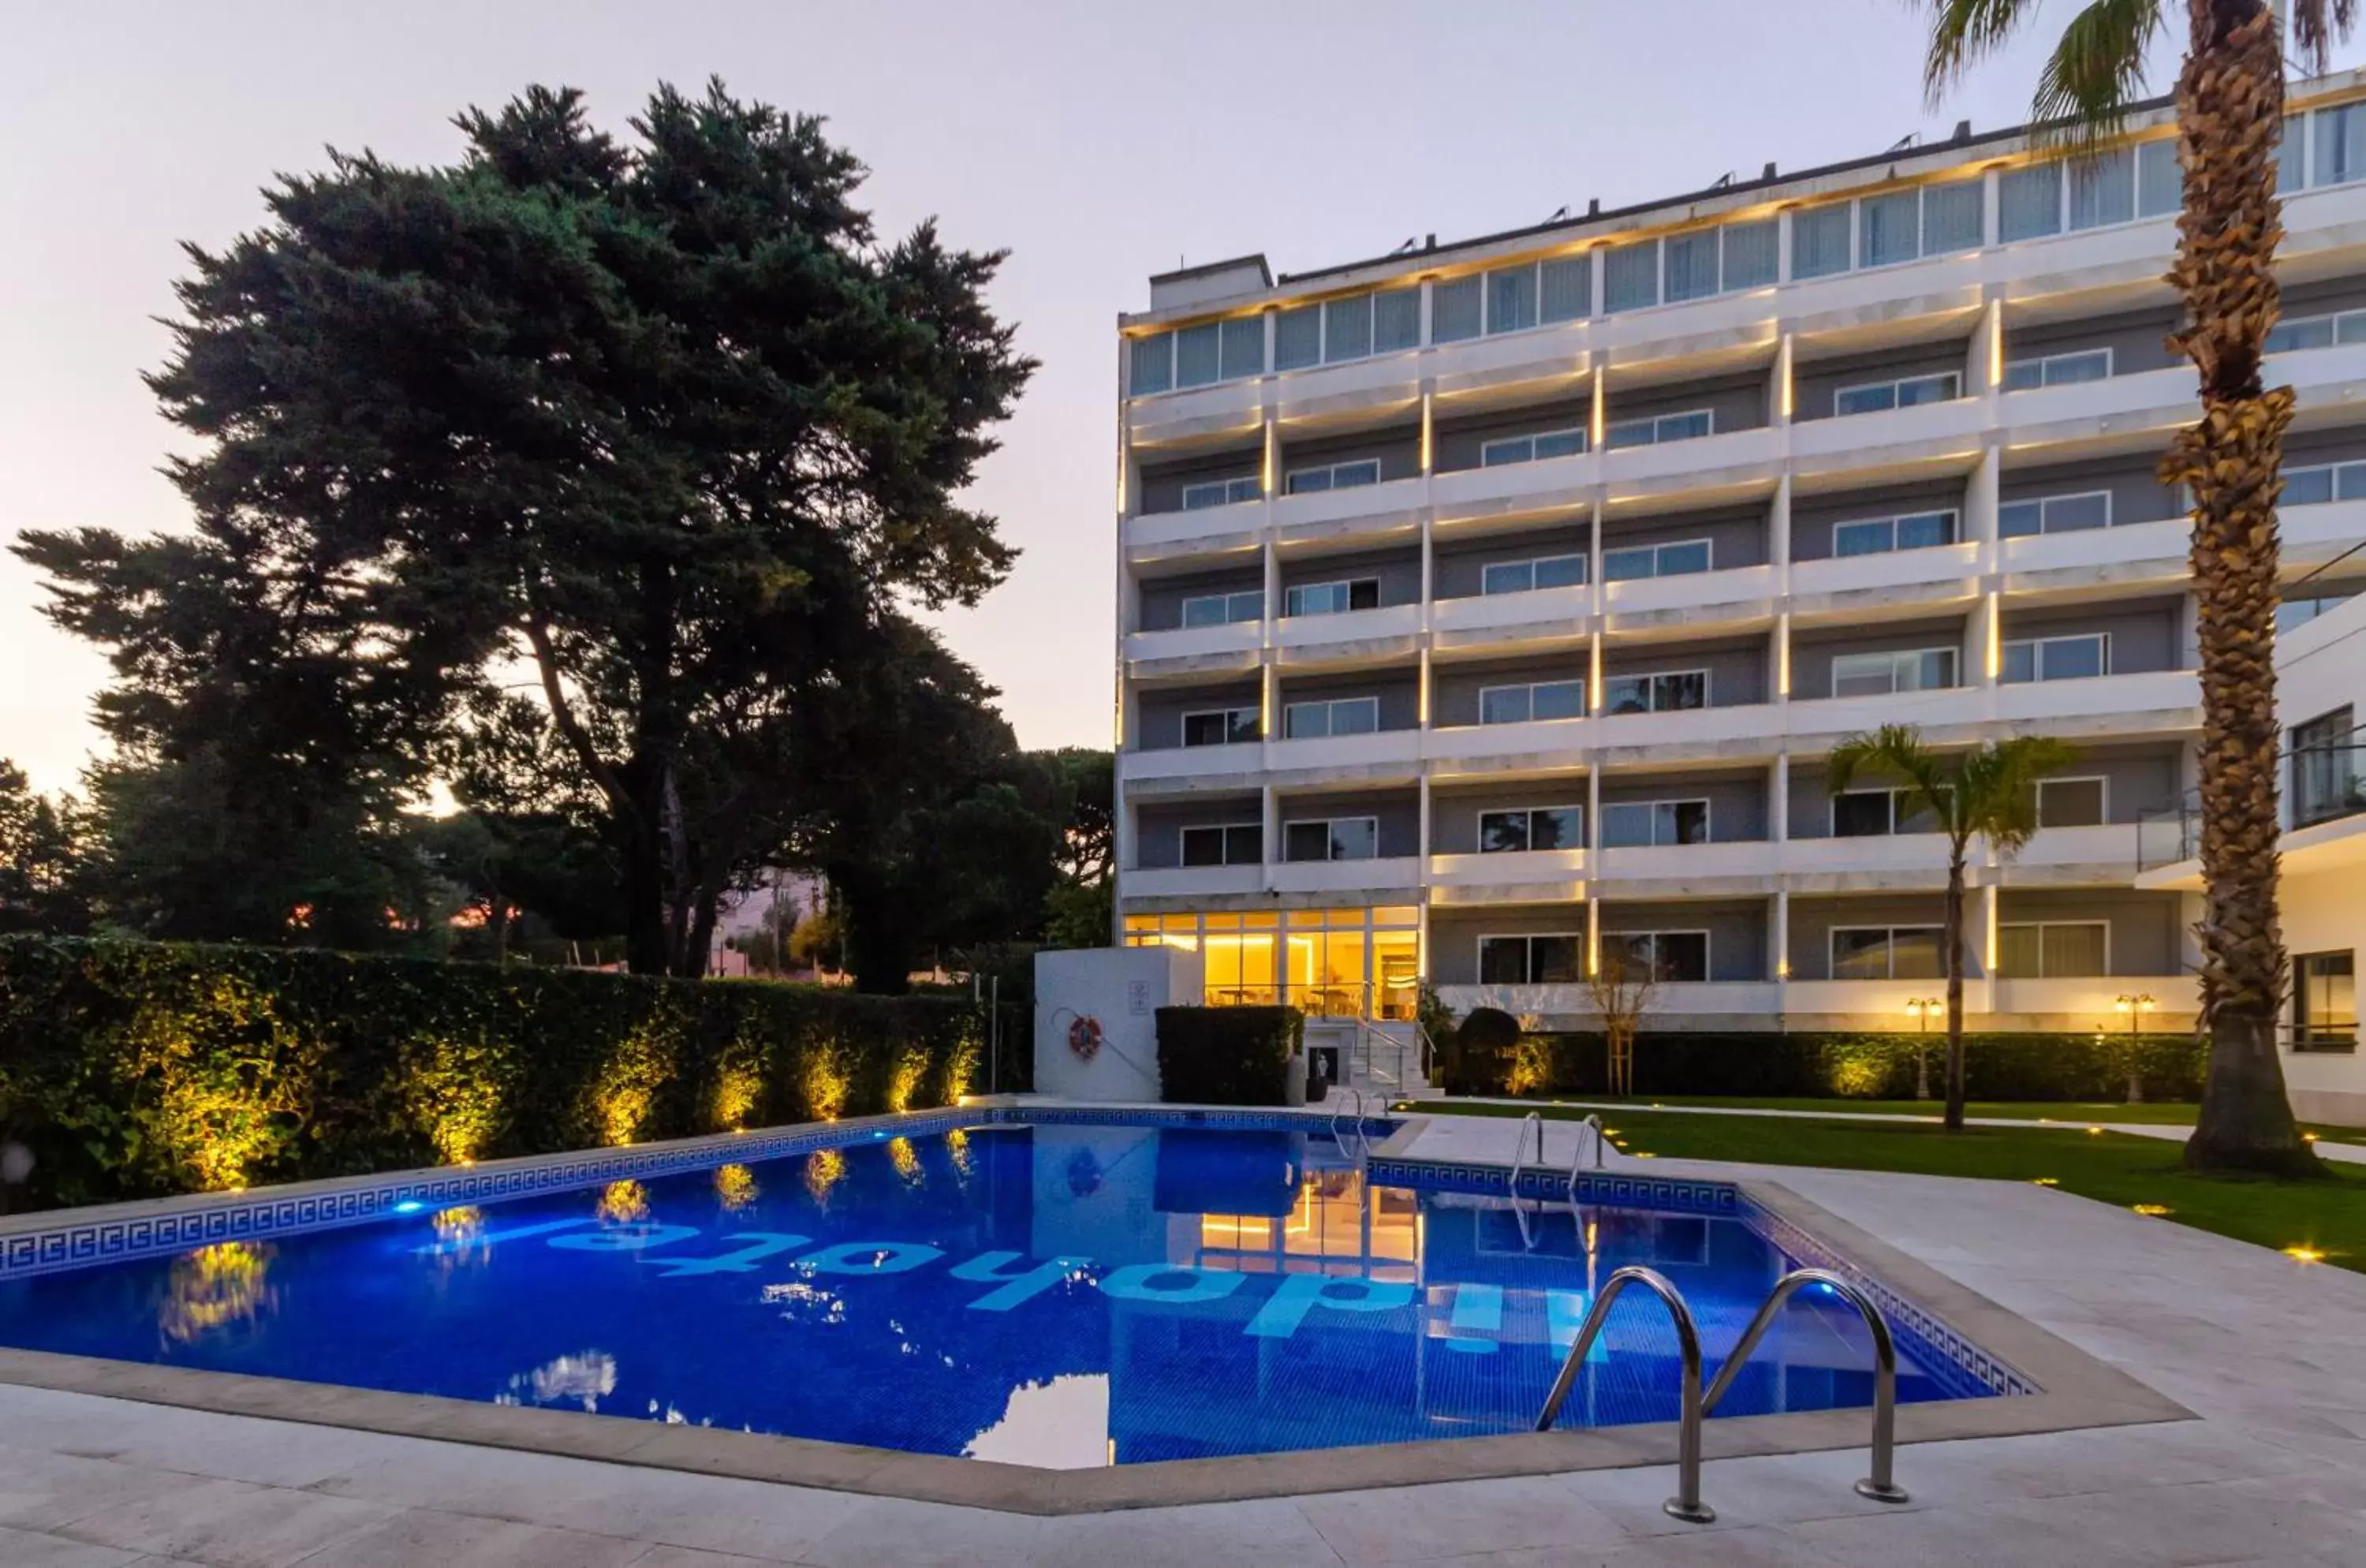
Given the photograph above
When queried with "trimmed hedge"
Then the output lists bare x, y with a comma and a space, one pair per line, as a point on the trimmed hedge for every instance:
1231, 1055
142, 1069
1865, 1066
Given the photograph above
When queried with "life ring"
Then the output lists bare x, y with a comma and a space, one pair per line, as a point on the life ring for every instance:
1084, 1037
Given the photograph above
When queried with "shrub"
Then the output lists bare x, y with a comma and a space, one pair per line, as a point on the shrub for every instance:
142, 1069
1867, 1067
1483, 1058
1231, 1055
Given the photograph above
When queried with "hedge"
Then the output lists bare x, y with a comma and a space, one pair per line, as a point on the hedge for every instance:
142, 1069
2048, 1067
1231, 1055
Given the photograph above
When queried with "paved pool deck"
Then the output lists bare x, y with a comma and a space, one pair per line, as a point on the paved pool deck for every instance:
2269, 1355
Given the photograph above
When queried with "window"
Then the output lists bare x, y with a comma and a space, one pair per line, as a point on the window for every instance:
1639, 824
1198, 354
1232, 843
1630, 277
1951, 215
1751, 253
1335, 715
1220, 492
1888, 953
2053, 950
1879, 536
1334, 476
1662, 693
2070, 803
1336, 330
1889, 228
2324, 769
1396, 318
1674, 956
1223, 609
1688, 265
1656, 429
2340, 145
1511, 300
1876, 814
1332, 598
1522, 576
2160, 184
1677, 558
1152, 363
1219, 727
2057, 658
1541, 699
1454, 309
1531, 448
2055, 515
2102, 189
1879, 674
1532, 828
1529, 960
1298, 337
2325, 1002
2058, 369
2294, 612
2029, 202
1873, 397
1565, 288
1347, 329
1333, 837
2317, 331
1819, 241
2319, 483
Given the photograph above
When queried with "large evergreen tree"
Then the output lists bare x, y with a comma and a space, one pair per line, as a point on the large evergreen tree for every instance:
659, 422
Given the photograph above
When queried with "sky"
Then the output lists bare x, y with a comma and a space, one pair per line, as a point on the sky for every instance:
1097, 143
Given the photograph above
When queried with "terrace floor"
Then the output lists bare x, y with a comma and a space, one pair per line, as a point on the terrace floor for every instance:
2269, 1354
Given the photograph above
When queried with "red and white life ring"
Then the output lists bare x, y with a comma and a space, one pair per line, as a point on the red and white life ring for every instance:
1084, 1037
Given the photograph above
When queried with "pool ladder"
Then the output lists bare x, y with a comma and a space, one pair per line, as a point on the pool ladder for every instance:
1576, 1158
1694, 1405
1363, 1149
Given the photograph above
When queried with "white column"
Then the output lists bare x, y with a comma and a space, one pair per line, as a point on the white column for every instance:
1778, 401
1269, 814
1592, 821
1980, 497
1782, 938
1984, 363
1593, 930
1983, 932
1778, 811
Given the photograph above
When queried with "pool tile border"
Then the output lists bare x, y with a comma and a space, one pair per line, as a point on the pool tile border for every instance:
2069, 1389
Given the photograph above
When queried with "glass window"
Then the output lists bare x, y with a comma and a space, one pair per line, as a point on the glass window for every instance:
2160, 185
1867, 537
1396, 318
1512, 299
1337, 837
1240, 844
1925, 530
1454, 310
1560, 571
2058, 369
1630, 277
1886, 953
1242, 349
2102, 189
1688, 265
1951, 215
1332, 598
2324, 769
2070, 803
2057, 658
1560, 699
1678, 957
1297, 338
1220, 492
1521, 576
2053, 950
2300, 332
1153, 364
1502, 832
1347, 329
2029, 202
1864, 813
1889, 228
2308, 487
1537, 827
1340, 716
2325, 1002
1527, 960
1663, 693
1219, 727
2340, 145
1223, 609
1752, 254
1198, 360
1565, 288
1683, 558
1505, 705
2056, 515
1873, 398
1819, 241
1639, 824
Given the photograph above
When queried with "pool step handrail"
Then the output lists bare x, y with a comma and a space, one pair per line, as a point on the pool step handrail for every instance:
1686, 1504
1520, 1150
1363, 1140
1577, 1155
1881, 1486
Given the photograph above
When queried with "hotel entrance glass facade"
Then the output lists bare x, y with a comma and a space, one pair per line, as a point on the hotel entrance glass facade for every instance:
1329, 963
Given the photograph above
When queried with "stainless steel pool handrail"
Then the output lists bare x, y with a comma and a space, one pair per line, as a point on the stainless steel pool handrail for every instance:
1363, 1139
1577, 1155
1686, 1504
1880, 1485
1519, 1153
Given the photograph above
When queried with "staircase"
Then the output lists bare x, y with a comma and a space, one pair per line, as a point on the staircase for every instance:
1380, 1057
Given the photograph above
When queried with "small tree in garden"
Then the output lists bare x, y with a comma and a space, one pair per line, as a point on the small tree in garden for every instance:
1621, 988
1989, 793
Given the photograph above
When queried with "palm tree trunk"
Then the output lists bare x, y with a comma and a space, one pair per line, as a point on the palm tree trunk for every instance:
2230, 107
1952, 937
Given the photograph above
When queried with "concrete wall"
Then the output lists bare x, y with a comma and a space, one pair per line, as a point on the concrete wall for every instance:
1813, 518
1122, 987
2136, 495
1159, 713
1399, 451
2143, 924
1454, 934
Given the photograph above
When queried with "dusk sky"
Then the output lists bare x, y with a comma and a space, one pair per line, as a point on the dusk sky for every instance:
1097, 143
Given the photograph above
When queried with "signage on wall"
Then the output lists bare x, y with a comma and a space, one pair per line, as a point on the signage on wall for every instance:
1137, 998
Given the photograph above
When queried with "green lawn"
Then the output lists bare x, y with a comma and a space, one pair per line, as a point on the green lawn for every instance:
2328, 1216
2070, 1113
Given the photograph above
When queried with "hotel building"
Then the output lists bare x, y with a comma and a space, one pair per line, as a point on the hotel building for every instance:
1488, 604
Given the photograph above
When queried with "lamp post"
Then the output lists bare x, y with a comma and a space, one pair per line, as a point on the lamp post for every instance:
2134, 1007
1923, 1007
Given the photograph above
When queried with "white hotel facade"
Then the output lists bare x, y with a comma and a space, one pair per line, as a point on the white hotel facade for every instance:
1488, 604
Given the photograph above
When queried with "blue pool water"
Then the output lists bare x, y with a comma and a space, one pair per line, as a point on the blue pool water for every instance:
1061, 1295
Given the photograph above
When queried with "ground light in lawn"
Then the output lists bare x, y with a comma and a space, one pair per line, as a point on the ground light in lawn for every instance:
2152, 1211
2304, 1254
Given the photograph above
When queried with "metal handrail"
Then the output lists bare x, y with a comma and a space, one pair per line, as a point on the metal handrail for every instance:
1879, 1485
1577, 1155
1363, 1139
1520, 1154
1686, 1504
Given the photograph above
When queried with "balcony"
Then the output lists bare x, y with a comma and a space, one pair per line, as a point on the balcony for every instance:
1831, 718
1482, 619
1875, 860
2112, 844
1339, 633
1512, 488
2092, 1001
1150, 536
2315, 533
1197, 644
1359, 509
1388, 751
1377, 384
1687, 863
1742, 729
1567, 1007
1228, 408
1194, 881
1891, 435
1357, 876
1481, 742
1185, 763
2147, 399
2105, 703
1949, 571
1533, 876
1692, 596
2129, 552
1558, 352
1879, 1004
1705, 462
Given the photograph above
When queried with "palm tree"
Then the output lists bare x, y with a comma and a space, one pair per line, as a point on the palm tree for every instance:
1990, 793
2230, 96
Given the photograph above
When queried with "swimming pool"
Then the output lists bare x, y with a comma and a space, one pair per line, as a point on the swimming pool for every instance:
1073, 1292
